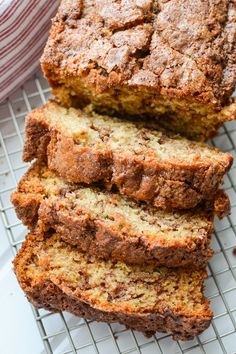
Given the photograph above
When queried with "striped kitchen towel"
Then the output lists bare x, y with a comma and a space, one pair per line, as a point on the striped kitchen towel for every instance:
24, 26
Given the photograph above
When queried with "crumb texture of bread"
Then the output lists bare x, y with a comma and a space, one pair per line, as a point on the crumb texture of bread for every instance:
111, 226
145, 164
56, 276
169, 59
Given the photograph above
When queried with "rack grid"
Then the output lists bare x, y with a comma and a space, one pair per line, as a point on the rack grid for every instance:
63, 333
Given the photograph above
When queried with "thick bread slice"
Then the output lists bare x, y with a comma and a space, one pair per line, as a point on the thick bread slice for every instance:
107, 225
144, 164
57, 276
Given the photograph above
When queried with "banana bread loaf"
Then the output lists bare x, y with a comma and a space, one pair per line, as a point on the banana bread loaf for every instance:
57, 276
148, 165
173, 60
108, 225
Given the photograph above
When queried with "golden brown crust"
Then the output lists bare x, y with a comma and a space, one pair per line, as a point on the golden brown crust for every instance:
26, 207
222, 205
48, 296
179, 53
164, 184
94, 38
44, 292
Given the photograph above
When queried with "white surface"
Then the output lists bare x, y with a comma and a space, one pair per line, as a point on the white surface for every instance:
18, 330
68, 334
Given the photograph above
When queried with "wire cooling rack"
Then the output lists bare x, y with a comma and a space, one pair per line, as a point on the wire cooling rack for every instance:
63, 333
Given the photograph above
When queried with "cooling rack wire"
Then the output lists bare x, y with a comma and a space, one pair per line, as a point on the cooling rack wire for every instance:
63, 333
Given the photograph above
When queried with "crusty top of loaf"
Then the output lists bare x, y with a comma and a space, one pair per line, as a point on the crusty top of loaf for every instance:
182, 48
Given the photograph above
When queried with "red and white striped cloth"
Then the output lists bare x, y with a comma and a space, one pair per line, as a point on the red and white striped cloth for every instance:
24, 26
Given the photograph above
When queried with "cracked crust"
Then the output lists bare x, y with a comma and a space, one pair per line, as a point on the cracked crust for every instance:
51, 290
169, 59
183, 177
45, 201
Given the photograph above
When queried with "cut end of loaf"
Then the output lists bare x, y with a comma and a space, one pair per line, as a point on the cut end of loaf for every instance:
166, 170
89, 129
195, 120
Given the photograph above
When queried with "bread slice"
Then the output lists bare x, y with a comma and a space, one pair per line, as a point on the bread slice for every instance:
144, 164
108, 225
172, 60
57, 276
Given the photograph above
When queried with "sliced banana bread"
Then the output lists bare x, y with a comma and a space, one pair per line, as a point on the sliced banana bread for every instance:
57, 276
173, 60
108, 225
144, 164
